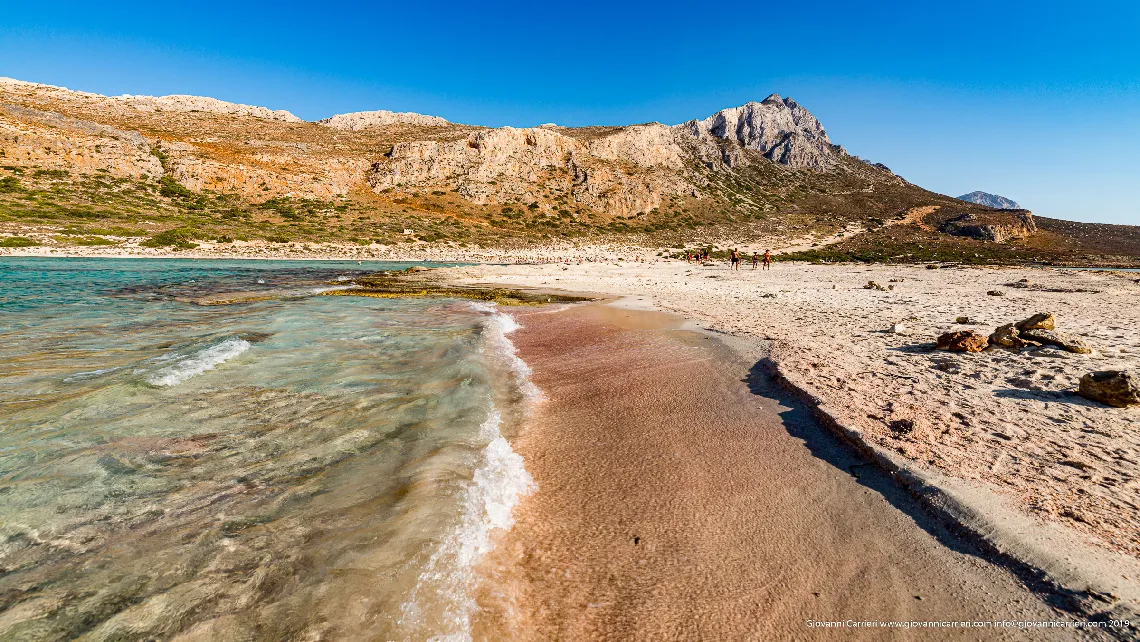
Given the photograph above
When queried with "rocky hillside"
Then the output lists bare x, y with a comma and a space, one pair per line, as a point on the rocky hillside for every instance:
990, 200
80, 168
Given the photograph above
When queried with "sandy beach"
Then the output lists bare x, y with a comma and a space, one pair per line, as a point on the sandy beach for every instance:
1048, 477
679, 501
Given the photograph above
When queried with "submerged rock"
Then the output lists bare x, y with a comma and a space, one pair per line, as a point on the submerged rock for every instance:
1111, 387
1059, 339
962, 341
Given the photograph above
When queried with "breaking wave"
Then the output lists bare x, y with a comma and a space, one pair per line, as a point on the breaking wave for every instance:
501, 480
449, 577
199, 362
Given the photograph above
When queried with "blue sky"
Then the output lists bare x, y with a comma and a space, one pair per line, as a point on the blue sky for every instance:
1037, 101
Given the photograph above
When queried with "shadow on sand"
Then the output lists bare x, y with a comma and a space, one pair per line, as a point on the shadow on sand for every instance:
800, 421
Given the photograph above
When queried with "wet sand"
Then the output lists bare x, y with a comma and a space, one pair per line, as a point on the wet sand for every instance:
682, 496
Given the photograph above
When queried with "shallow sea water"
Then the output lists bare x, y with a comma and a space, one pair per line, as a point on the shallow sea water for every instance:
302, 467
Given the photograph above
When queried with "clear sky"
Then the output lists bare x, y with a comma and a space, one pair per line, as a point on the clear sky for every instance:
1037, 101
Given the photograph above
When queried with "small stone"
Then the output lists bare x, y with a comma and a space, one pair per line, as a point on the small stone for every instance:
1007, 336
995, 293
1117, 388
898, 328
963, 320
962, 341
1039, 321
902, 426
1059, 339
871, 285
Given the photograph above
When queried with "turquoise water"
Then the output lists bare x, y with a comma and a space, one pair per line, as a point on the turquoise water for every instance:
300, 467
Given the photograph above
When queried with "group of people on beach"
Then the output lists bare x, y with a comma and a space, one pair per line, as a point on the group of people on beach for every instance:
734, 257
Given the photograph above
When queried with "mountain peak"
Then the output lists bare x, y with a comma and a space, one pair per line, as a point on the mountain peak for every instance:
779, 128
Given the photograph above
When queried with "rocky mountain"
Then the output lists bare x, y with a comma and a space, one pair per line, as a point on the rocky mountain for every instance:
211, 146
780, 129
990, 200
179, 168
626, 171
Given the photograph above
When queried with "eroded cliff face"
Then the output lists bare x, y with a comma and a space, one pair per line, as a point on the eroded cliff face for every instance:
624, 171
998, 226
50, 141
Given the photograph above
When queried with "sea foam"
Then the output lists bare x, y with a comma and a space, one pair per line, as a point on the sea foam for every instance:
499, 483
199, 362
449, 576
496, 328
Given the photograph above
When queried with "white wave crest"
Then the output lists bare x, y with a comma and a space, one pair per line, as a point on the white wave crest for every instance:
199, 362
449, 575
497, 326
499, 483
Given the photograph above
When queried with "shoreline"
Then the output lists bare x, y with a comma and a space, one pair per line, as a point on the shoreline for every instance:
1097, 580
676, 500
596, 253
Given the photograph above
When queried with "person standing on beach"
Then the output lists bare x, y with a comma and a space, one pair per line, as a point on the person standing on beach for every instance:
755, 260
734, 256
767, 259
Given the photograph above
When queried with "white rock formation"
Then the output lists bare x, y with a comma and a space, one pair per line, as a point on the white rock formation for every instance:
517, 165
179, 103
361, 119
780, 129
175, 103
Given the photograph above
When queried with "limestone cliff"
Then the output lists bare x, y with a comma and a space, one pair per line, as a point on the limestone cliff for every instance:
765, 166
623, 170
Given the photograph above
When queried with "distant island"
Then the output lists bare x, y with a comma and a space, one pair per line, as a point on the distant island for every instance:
990, 200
